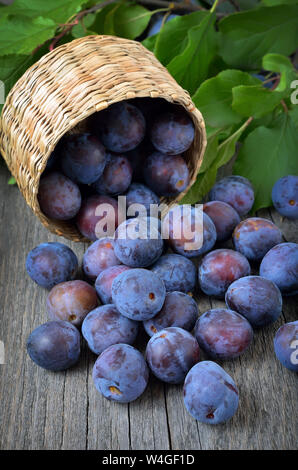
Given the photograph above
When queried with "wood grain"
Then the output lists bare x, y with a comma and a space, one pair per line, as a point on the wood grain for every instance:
43, 410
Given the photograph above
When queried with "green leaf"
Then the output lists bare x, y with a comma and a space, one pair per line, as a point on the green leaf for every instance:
214, 97
248, 36
131, 20
265, 120
81, 29
254, 101
216, 155
109, 20
227, 7
13, 66
280, 64
227, 148
247, 4
11, 180
56, 10
268, 154
222, 132
210, 153
272, 3
127, 20
11, 69
190, 68
149, 42
201, 187
20, 35
173, 34
104, 19
204, 181
294, 115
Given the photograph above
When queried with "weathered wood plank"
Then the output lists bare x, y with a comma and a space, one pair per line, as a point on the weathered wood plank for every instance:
42, 410
148, 415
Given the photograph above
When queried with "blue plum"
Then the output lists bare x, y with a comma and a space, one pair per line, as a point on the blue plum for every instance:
50, 263
177, 272
120, 373
179, 310
138, 242
280, 265
98, 217
116, 176
83, 158
140, 194
219, 269
121, 127
99, 256
286, 345
183, 229
172, 133
236, 191
59, 198
150, 108
170, 354
224, 217
104, 281
210, 394
55, 345
223, 333
138, 294
166, 175
105, 326
71, 301
256, 298
285, 196
255, 236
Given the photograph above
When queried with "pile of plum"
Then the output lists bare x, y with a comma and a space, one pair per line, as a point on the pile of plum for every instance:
132, 284
132, 149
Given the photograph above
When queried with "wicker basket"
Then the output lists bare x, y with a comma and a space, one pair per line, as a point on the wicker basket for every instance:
67, 85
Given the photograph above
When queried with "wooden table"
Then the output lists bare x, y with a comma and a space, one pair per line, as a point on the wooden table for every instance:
44, 410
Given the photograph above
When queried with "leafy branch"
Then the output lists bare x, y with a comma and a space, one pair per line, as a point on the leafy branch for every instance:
235, 57
73, 21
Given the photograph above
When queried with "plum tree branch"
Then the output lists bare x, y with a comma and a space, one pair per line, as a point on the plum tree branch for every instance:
186, 5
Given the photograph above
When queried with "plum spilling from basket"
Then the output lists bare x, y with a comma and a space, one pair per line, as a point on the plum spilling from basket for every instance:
145, 272
71, 301
50, 263
171, 353
120, 373
210, 394
255, 236
179, 310
105, 326
223, 333
55, 345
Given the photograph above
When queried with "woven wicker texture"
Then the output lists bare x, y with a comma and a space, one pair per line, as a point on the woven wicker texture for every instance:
63, 88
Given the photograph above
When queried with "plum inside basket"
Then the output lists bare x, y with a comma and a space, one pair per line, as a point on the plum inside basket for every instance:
139, 148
